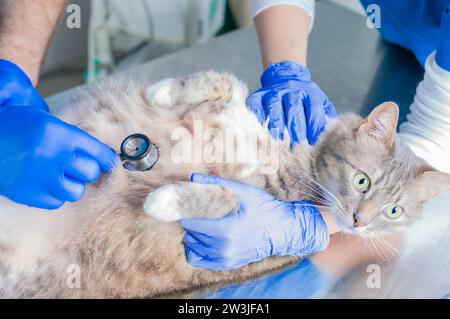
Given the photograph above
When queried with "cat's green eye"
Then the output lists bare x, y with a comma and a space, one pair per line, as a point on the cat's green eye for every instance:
393, 211
361, 182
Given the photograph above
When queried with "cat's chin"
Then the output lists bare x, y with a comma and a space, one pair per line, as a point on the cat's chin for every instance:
358, 231
345, 228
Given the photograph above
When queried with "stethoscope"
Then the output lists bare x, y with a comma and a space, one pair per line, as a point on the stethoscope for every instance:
138, 153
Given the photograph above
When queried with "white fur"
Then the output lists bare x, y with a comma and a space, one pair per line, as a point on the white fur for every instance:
242, 123
163, 204
159, 93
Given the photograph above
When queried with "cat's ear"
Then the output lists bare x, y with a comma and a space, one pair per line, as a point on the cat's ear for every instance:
381, 123
430, 183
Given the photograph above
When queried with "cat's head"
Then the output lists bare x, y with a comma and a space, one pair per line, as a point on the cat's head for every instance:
378, 183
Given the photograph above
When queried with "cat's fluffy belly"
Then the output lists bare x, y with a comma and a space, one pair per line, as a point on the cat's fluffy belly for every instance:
120, 248
122, 236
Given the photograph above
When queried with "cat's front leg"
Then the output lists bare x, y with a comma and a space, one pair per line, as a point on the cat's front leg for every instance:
184, 200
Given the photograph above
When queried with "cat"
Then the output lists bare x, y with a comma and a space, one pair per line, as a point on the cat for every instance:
122, 240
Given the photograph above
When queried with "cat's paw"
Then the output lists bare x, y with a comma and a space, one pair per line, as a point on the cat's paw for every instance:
163, 204
160, 93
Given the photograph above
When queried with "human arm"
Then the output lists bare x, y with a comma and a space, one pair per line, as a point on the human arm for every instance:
347, 252
26, 27
44, 161
283, 32
314, 277
289, 99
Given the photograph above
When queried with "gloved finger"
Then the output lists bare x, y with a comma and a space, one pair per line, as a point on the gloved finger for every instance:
45, 201
207, 226
52, 203
254, 103
295, 116
106, 158
83, 168
315, 115
203, 261
213, 263
273, 106
67, 189
330, 110
243, 191
203, 246
315, 231
196, 237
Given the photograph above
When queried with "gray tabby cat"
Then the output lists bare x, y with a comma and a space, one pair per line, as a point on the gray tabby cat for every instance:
122, 239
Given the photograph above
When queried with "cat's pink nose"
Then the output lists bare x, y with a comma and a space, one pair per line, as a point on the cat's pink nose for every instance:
357, 221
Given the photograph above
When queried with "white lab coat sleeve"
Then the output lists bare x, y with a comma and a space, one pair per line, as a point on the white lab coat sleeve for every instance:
259, 6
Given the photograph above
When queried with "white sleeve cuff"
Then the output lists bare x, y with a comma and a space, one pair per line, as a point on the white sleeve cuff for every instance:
259, 6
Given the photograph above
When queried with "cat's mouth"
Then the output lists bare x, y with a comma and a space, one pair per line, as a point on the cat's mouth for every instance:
342, 223
338, 220
343, 226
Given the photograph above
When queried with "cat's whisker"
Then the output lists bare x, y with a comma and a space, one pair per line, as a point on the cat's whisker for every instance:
309, 186
326, 196
368, 245
387, 244
384, 242
327, 191
370, 238
374, 246
394, 252
391, 248
366, 248
381, 247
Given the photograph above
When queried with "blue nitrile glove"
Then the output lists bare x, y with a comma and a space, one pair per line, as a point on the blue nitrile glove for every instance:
290, 99
16, 87
262, 226
43, 160
414, 25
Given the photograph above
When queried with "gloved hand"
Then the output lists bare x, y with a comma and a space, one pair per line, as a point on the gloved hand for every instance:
16, 87
290, 99
262, 226
43, 160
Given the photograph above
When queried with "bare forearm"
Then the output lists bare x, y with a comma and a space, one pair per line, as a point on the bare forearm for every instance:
330, 220
346, 252
283, 34
26, 27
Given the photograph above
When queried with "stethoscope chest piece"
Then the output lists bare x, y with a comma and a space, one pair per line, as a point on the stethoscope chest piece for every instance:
138, 153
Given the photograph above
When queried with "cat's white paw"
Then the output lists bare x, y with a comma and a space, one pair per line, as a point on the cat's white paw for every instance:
163, 204
160, 93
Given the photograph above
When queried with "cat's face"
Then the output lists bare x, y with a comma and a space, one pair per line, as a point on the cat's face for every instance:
378, 185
